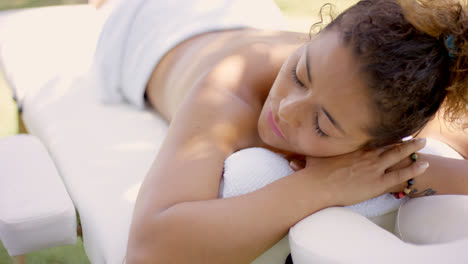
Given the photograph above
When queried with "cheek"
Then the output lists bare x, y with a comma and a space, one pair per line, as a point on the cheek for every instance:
323, 150
263, 127
316, 146
276, 89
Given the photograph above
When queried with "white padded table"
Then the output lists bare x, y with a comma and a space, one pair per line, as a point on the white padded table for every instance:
35, 209
102, 152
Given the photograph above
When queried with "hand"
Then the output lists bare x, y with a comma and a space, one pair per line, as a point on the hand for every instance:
296, 162
400, 165
354, 177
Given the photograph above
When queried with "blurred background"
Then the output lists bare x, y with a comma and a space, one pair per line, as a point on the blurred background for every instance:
301, 15
13, 4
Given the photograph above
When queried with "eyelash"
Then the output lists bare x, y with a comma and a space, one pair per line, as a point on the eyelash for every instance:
317, 128
296, 79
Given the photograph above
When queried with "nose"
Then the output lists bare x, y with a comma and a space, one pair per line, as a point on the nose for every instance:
291, 109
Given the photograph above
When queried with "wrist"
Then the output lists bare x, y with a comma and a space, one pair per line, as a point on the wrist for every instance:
314, 192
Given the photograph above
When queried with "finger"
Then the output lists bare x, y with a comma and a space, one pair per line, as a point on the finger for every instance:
381, 150
399, 176
397, 188
296, 165
400, 152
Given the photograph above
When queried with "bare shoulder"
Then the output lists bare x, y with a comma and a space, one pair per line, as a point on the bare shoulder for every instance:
253, 65
235, 88
217, 110
452, 135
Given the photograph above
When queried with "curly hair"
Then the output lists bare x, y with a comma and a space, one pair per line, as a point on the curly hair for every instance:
414, 57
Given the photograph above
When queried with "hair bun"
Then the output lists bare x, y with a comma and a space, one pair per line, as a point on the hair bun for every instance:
446, 20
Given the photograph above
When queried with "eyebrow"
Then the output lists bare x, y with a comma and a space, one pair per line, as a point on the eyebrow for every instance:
307, 64
332, 120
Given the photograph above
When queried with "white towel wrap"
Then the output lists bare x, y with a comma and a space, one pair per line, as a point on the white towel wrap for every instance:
138, 33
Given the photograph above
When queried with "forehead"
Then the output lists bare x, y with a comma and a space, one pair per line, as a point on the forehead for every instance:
334, 61
340, 86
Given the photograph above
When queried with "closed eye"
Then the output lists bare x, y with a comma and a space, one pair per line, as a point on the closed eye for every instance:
296, 79
318, 130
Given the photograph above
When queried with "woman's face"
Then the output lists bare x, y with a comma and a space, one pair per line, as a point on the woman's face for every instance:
318, 105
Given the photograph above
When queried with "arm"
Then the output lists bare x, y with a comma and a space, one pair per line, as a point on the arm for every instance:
445, 175
178, 218
177, 210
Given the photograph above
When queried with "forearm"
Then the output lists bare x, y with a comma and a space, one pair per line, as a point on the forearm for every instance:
234, 230
444, 176
176, 221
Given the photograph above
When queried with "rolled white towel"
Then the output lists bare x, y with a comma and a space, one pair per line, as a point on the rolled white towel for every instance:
250, 169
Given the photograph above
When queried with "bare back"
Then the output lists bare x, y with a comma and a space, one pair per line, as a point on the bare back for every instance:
249, 58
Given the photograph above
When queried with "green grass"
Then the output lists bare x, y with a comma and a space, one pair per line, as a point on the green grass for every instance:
71, 254
13, 4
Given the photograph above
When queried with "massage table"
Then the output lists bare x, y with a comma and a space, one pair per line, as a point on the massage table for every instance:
87, 157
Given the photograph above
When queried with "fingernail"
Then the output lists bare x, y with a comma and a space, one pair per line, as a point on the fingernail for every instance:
294, 165
421, 141
423, 165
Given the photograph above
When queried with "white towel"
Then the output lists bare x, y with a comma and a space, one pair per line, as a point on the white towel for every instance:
251, 169
138, 33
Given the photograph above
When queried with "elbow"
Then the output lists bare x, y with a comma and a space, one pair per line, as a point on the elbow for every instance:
136, 256
145, 256
138, 249
151, 241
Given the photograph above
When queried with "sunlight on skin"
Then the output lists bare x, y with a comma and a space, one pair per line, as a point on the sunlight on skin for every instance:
228, 131
229, 71
198, 148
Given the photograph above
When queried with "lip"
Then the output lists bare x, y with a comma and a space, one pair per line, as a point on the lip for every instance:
274, 126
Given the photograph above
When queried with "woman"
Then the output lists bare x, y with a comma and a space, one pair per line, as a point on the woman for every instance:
343, 100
